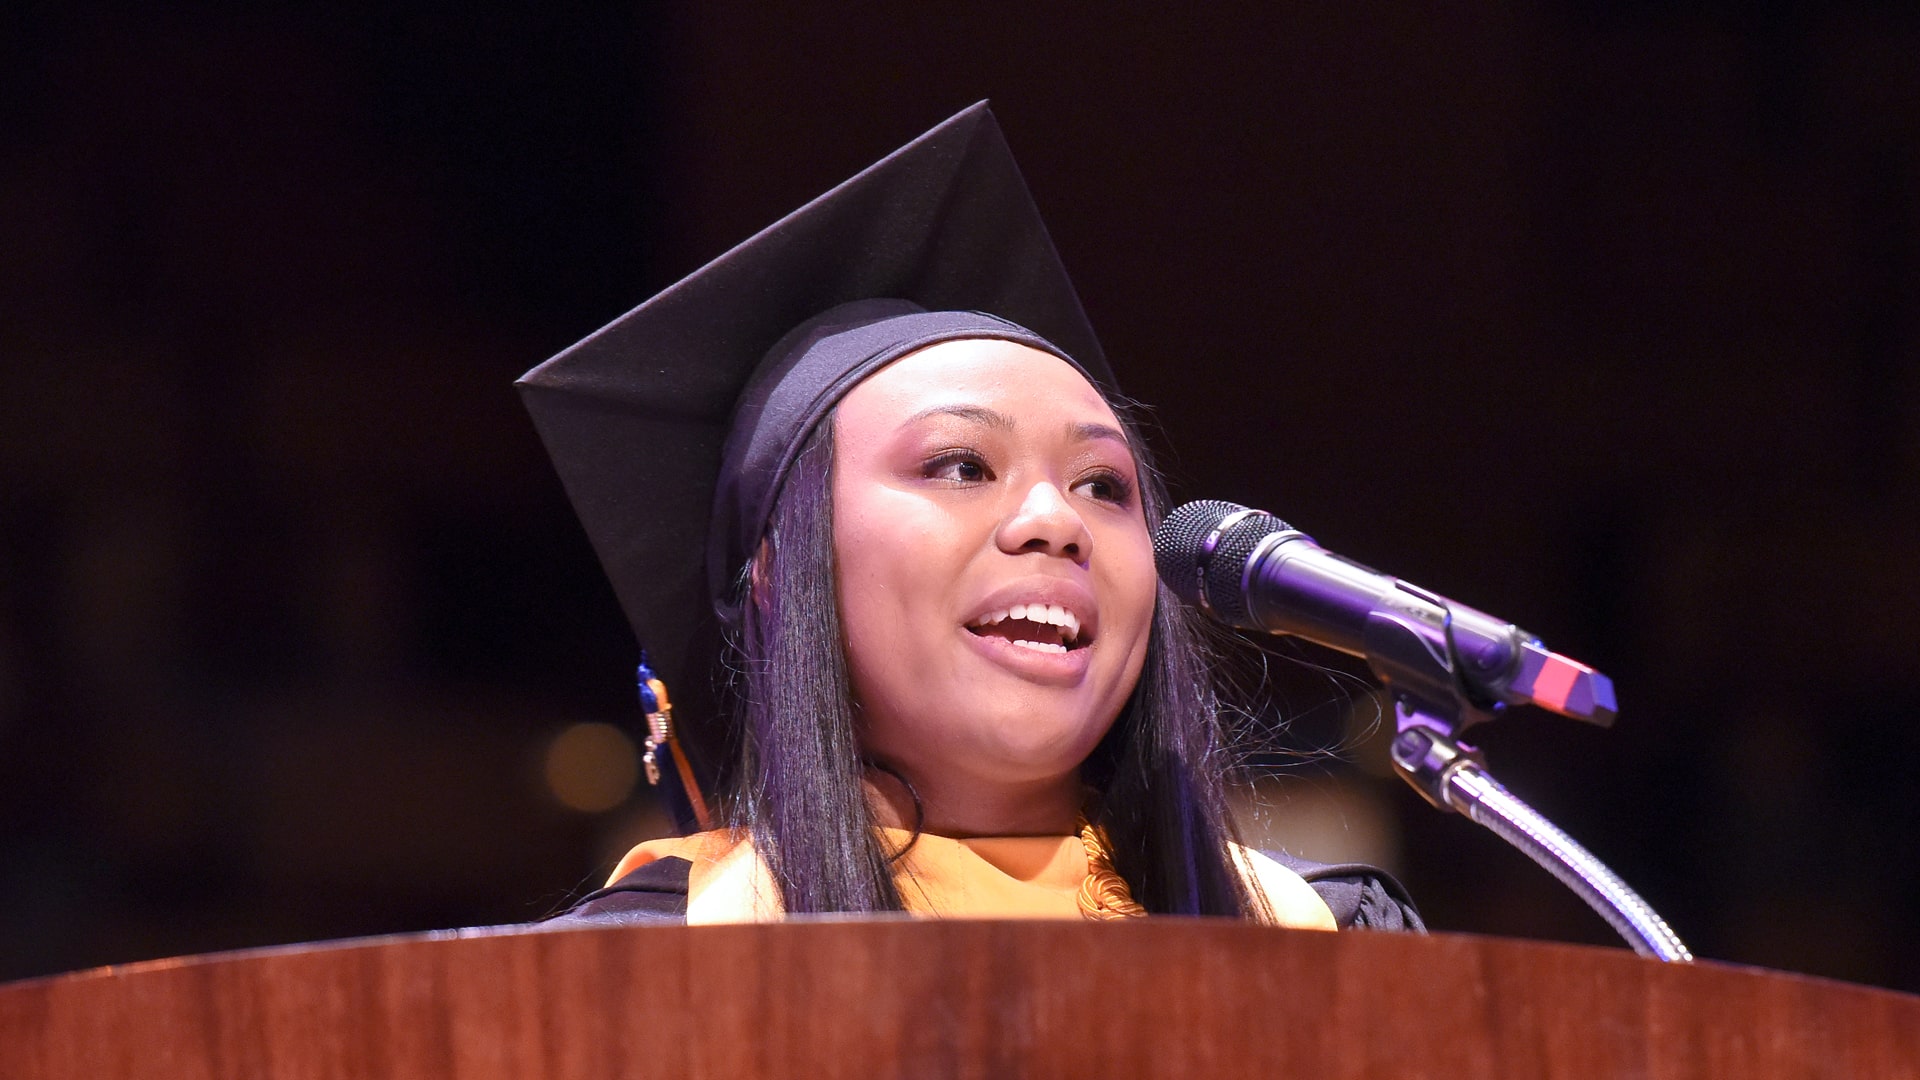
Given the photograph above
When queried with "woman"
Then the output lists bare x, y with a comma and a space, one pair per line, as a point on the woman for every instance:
960, 689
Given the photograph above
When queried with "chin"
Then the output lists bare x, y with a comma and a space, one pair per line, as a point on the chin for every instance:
1030, 748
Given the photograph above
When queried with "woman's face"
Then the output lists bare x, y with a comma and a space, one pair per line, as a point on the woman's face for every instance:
996, 577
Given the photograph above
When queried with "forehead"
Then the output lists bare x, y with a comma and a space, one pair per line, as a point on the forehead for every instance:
1017, 380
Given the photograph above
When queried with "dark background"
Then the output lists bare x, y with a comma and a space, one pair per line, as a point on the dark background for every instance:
1598, 316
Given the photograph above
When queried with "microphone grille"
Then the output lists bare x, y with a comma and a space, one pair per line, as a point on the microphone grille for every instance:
1177, 553
1176, 544
1228, 565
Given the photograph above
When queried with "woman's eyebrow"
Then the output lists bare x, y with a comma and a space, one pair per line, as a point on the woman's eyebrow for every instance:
979, 414
1087, 432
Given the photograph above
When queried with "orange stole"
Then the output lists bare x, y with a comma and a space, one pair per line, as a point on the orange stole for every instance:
992, 877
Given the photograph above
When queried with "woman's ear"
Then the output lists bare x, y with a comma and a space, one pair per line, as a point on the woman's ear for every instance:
757, 583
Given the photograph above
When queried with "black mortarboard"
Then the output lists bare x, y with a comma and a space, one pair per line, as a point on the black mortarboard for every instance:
636, 417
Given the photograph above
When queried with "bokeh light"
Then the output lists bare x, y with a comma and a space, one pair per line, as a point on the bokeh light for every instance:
592, 767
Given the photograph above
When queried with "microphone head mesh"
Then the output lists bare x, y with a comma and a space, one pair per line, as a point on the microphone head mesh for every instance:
1178, 550
1176, 544
1228, 566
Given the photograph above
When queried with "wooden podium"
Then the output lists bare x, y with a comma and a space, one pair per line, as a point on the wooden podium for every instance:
868, 998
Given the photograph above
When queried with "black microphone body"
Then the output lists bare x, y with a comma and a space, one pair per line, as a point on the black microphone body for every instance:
1252, 570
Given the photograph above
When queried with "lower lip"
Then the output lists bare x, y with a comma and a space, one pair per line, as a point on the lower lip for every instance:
1058, 668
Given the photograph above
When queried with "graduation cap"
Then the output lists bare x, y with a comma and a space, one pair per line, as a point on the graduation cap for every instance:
637, 416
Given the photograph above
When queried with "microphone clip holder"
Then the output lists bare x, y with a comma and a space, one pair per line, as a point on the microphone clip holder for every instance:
1432, 707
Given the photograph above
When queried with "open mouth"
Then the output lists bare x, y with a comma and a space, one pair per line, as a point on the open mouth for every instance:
1047, 628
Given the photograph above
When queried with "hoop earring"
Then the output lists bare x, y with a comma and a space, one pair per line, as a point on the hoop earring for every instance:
919, 808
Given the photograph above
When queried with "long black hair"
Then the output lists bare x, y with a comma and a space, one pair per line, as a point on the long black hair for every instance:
797, 779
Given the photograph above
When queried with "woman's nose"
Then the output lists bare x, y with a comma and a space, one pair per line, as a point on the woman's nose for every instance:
1046, 522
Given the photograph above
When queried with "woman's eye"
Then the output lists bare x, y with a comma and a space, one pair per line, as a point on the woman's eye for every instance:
1106, 487
959, 466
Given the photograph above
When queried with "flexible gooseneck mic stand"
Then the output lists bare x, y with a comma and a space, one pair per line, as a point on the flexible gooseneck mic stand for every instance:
1451, 777
1431, 709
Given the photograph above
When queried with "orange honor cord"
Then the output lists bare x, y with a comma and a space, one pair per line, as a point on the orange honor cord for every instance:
692, 786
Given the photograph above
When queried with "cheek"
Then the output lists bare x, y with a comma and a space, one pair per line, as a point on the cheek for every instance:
865, 586
1133, 587
894, 562
881, 548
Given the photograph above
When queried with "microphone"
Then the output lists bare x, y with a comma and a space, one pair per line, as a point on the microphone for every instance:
1249, 569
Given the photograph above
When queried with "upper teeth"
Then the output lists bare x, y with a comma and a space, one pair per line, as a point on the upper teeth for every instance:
1051, 614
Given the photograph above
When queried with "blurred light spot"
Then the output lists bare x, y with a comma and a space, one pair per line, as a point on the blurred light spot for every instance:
641, 820
592, 767
1327, 818
1369, 733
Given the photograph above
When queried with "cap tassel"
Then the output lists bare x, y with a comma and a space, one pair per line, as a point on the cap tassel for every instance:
659, 710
